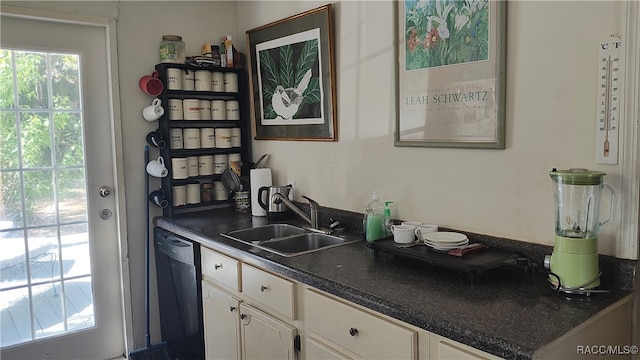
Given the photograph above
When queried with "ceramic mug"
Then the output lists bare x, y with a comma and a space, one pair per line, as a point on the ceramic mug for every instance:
157, 197
425, 229
156, 168
154, 111
403, 234
154, 138
151, 85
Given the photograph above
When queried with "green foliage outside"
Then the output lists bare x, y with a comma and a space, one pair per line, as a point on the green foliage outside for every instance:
445, 32
40, 120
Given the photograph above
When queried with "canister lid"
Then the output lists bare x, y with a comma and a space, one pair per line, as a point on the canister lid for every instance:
171, 37
577, 176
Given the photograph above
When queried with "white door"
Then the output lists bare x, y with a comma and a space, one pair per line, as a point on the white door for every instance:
60, 287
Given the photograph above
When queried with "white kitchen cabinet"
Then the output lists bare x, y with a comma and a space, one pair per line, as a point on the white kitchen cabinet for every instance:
446, 349
359, 331
221, 315
268, 289
220, 268
264, 337
233, 329
317, 349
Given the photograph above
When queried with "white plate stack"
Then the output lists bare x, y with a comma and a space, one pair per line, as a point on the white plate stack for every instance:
445, 241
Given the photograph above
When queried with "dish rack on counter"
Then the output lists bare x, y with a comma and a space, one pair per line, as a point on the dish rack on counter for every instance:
473, 264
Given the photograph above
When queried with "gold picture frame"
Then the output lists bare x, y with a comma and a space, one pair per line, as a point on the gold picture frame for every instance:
292, 78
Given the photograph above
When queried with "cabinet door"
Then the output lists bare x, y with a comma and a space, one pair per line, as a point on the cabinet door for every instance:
316, 349
221, 323
264, 337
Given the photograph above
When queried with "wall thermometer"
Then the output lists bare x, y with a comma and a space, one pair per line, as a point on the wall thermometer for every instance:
609, 86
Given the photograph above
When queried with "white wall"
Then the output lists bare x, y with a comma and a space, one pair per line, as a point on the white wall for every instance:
550, 122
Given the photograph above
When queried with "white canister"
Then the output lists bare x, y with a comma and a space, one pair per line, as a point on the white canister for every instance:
174, 79
179, 195
217, 81
191, 109
218, 110
220, 163
220, 193
207, 138
175, 137
205, 109
193, 193
235, 157
233, 110
175, 109
180, 168
231, 82
202, 80
223, 138
188, 80
192, 163
205, 165
236, 140
191, 138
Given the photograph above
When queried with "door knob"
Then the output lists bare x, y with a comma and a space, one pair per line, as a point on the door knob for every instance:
104, 191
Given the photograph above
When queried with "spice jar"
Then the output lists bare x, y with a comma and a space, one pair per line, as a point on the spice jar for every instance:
172, 49
206, 192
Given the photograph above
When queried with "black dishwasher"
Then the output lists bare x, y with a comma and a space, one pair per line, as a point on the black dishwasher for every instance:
178, 273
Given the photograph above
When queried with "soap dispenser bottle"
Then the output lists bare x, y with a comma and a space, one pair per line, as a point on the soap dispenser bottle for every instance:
388, 221
374, 219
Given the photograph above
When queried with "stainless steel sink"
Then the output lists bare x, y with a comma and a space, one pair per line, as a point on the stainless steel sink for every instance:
287, 240
266, 232
304, 243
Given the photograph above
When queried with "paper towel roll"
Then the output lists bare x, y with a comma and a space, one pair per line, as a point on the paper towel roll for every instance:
258, 178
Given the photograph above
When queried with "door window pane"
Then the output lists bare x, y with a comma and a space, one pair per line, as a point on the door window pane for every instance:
45, 264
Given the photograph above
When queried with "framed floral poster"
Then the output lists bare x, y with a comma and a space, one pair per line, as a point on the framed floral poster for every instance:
450, 73
292, 78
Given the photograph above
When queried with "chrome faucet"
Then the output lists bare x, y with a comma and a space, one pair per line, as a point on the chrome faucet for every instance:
313, 220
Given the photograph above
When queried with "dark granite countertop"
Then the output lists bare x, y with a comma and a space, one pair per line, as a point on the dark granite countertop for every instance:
509, 313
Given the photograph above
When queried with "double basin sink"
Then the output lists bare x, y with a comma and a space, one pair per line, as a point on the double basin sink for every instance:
287, 240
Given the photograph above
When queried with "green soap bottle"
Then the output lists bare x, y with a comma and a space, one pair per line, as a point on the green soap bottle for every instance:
374, 221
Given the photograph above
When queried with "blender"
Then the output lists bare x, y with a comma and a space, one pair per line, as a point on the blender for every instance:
574, 261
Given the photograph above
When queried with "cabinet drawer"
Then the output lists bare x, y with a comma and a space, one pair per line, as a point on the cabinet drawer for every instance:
268, 289
220, 268
361, 332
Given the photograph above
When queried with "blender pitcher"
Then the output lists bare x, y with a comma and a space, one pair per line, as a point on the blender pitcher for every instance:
574, 262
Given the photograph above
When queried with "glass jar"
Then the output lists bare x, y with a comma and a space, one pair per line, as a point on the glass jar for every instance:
206, 192
172, 49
